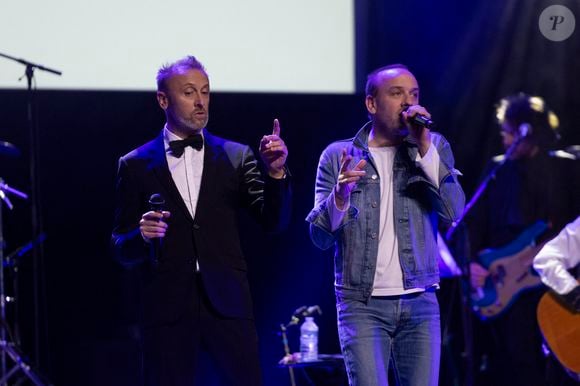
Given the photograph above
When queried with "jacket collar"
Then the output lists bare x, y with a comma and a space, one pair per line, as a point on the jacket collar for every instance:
361, 139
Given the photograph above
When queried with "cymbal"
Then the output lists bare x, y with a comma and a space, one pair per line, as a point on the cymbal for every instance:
8, 149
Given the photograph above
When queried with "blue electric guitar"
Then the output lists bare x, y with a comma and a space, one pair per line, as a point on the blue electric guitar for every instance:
511, 273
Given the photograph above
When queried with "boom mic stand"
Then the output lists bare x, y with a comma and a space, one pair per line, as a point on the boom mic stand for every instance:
8, 347
298, 315
36, 213
483, 185
466, 289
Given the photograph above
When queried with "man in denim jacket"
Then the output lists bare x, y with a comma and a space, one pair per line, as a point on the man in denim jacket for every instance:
378, 198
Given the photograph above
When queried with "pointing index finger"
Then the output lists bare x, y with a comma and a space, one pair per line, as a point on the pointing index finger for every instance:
276, 130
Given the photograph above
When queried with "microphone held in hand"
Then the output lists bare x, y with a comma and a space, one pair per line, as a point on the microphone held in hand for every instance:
157, 204
423, 121
420, 119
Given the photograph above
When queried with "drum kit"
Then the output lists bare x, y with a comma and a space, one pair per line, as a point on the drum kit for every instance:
8, 346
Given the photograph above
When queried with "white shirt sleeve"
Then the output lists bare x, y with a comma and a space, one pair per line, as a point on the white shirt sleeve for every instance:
336, 214
430, 164
557, 256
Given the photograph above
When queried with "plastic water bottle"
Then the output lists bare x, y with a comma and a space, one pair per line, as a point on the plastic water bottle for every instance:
309, 340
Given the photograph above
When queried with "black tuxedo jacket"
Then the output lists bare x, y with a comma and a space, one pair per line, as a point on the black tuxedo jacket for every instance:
231, 181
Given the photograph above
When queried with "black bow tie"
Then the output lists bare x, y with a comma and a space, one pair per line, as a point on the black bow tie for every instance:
177, 147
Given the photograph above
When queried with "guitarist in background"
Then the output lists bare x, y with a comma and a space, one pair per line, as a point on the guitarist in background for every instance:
530, 186
554, 261
559, 255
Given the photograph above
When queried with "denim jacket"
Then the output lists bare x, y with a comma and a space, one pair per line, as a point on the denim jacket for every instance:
417, 206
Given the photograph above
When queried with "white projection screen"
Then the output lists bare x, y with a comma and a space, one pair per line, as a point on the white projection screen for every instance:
297, 46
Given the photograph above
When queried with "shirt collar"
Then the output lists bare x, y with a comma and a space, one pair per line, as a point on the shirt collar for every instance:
169, 136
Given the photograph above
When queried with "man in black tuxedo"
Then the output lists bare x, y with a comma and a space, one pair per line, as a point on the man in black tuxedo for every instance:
194, 290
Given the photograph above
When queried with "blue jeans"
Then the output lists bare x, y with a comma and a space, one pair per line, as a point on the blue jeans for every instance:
398, 331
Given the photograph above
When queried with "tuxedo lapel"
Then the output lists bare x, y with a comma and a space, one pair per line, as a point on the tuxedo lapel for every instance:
161, 171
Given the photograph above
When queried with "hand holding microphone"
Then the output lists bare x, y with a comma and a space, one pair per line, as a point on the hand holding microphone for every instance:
152, 225
417, 115
419, 122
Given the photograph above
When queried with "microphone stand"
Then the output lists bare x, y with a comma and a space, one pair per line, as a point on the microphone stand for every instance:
464, 262
283, 329
301, 312
481, 188
36, 214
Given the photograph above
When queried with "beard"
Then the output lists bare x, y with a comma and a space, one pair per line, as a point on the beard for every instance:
397, 127
192, 124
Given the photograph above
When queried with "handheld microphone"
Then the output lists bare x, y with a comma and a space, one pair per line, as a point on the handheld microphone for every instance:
420, 119
157, 204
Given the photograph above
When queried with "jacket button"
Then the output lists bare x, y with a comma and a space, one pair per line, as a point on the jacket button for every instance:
195, 226
373, 235
374, 176
374, 204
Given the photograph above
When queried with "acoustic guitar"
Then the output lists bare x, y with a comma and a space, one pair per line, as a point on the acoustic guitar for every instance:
560, 327
510, 273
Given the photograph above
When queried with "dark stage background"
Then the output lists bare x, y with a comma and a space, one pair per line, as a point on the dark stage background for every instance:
466, 55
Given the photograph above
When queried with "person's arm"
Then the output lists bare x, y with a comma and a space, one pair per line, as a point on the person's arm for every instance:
337, 214
267, 198
335, 180
450, 199
127, 242
321, 232
557, 256
429, 163
446, 196
451, 196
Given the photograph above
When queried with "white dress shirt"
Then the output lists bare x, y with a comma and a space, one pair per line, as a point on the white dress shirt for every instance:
186, 172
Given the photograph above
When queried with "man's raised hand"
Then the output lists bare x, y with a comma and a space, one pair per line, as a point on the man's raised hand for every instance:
347, 179
274, 152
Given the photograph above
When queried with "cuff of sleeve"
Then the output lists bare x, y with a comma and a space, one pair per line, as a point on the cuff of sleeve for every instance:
286, 174
573, 298
335, 213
